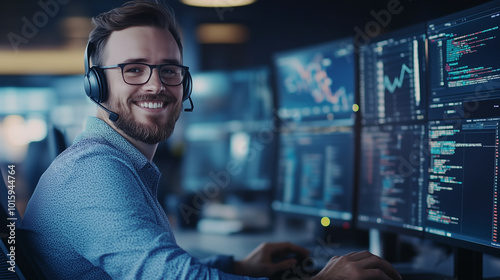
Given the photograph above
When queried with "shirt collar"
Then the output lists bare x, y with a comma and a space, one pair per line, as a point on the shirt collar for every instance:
97, 128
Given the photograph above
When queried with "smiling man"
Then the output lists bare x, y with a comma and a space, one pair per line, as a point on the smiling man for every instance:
94, 213
150, 98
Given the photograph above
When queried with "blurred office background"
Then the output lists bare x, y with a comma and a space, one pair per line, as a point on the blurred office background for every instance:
228, 49
231, 53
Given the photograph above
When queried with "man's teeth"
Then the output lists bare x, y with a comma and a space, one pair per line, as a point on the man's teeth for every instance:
151, 105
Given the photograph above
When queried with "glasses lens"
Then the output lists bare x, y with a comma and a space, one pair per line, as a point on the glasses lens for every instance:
172, 75
136, 73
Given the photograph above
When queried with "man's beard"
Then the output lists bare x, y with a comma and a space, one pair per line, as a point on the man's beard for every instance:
155, 131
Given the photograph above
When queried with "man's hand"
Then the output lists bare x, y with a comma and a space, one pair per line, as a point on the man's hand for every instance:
261, 262
358, 266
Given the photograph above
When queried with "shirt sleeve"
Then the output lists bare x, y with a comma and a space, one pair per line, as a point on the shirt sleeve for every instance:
109, 220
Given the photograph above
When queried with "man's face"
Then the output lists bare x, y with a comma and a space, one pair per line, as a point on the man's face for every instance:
132, 102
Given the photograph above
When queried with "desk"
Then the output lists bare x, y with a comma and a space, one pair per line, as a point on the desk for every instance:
241, 244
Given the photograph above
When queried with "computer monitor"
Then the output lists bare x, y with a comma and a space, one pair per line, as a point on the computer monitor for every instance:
231, 130
221, 96
463, 64
392, 77
462, 197
206, 151
244, 157
228, 161
316, 173
317, 83
392, 178
462, 194
316, 104
392, 161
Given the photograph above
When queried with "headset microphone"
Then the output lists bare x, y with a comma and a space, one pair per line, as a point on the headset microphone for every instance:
112, 115
192, 106
187, 88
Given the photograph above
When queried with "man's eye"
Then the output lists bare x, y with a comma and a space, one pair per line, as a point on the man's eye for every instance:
167, 72
134, 70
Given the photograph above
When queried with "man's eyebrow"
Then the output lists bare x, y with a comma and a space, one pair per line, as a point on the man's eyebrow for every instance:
143, 60
170, 61
132, 60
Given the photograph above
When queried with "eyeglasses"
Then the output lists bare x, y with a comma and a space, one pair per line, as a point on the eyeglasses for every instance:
140, 73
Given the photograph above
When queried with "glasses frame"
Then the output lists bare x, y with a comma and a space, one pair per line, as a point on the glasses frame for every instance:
151, 67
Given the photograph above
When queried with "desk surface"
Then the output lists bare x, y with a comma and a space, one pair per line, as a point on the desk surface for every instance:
241, 244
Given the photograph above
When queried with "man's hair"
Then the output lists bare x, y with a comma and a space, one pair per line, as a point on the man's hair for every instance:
133, 13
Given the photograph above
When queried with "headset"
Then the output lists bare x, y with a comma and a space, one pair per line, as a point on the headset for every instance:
96, 86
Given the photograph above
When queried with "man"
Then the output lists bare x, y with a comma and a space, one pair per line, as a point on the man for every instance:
94, 213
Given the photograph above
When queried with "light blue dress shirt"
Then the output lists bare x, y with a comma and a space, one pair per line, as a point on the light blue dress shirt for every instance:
95, 215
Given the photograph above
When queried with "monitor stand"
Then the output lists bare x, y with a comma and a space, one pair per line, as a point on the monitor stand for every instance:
384, 245
468, 264
388, 246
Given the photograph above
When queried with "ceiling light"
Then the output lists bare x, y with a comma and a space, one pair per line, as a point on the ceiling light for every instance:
76, 27
222, 33
217, 3
53, 61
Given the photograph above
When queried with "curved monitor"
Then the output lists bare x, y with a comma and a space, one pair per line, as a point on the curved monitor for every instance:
464, 128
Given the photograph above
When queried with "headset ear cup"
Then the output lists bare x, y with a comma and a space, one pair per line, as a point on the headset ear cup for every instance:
96, 85
187, 86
